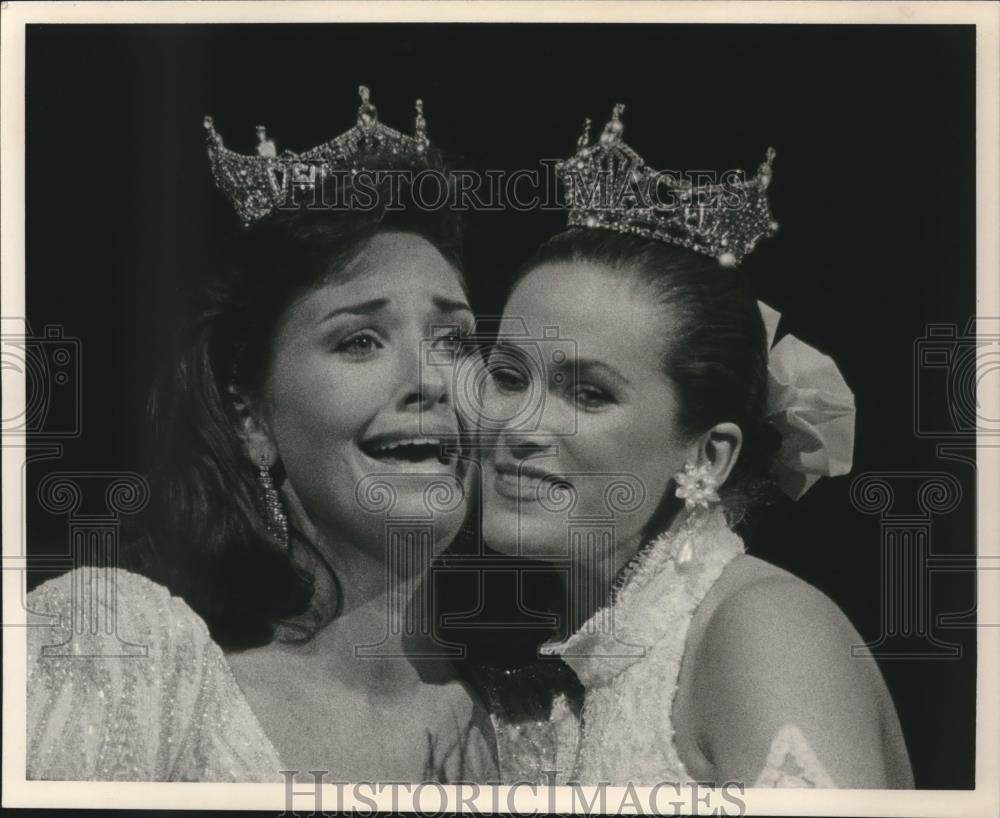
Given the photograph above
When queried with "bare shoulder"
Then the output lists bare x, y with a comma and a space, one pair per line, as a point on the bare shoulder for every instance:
763, 623
756, 604
771, 651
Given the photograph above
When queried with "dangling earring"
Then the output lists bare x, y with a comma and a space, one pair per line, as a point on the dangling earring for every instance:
696, 486
277, 522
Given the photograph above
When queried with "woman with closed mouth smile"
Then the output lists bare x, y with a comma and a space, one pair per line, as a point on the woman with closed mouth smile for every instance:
522, 481
624, 442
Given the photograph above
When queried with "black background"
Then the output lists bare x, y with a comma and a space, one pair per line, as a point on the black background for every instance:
874, 186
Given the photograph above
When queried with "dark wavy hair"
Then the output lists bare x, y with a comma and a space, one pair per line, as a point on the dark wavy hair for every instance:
714, 348
204, 532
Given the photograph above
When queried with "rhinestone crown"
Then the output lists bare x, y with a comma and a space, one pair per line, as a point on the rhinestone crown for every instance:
608, 185
257, 185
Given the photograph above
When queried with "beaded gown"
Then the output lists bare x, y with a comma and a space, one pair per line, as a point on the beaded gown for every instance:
170, 711
623, 732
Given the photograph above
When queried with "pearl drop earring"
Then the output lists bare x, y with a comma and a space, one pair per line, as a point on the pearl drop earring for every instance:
697, 487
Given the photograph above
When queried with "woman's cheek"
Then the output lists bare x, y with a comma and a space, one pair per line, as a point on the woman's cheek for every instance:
626, 465
347, 395
603, 441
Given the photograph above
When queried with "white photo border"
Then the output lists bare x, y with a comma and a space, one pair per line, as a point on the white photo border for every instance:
985, 16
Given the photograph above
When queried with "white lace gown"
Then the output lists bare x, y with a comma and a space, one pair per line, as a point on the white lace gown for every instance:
624, 733
173, 714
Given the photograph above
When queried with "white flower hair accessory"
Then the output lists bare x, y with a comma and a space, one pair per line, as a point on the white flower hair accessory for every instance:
812, 407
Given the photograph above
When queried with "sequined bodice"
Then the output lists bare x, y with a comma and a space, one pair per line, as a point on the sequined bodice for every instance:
125, 683
628, 659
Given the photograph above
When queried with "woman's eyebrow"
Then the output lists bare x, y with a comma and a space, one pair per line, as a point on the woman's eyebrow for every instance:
590, 365
361, 308
450, 305
577, 366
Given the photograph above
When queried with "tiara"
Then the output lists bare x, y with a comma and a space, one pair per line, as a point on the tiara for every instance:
257, 185
608, 185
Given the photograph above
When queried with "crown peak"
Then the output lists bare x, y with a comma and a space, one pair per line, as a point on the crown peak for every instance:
765, 172
420, 127
265, 146
367, 113
213, 136
613, 130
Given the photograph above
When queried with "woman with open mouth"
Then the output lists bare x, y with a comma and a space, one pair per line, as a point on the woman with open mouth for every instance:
624, 442
305, 472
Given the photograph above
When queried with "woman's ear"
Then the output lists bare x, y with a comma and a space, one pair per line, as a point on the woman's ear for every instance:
719, 449
252, 429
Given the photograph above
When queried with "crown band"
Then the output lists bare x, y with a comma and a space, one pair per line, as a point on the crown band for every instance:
609, 186
258, 185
